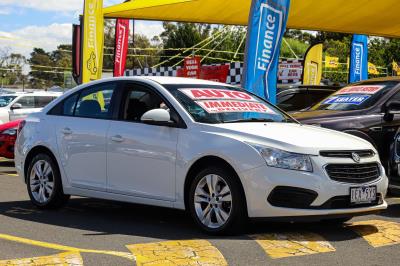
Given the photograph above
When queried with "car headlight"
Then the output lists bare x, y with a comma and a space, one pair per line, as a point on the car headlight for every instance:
10, 132
283, 159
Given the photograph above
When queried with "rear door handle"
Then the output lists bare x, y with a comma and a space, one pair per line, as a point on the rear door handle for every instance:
66, 131
117, 138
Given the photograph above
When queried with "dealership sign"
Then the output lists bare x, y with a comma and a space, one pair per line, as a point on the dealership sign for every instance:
267, 23
358, 58
121, 46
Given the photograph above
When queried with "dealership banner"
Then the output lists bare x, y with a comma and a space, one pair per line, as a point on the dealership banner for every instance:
121, 46
191, 67
290, 71
267, 24
76, 53
215, 73
358, 58
331, 62
93, 35
312, 65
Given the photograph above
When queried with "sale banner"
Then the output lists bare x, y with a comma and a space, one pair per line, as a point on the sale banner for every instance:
192, 67
201, 94
121, 46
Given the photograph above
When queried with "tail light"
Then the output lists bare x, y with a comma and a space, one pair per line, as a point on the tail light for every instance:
21, 126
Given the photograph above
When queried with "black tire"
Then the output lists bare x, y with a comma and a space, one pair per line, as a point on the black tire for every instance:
238, 213
57, 198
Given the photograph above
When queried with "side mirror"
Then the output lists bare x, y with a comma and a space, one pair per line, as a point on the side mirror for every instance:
393, 108
16, 106
159, 117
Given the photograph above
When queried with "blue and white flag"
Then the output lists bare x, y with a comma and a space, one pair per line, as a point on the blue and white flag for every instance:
358, 58
267, 24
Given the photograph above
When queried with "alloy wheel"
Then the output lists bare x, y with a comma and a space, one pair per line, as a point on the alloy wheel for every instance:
213, 201
41, 181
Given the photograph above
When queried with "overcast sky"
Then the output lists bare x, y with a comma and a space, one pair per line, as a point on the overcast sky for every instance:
25, 24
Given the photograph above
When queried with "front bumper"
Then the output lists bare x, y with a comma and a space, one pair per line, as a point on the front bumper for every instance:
258, 184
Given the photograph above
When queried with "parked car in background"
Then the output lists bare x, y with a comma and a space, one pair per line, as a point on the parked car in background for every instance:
19, 105
299, 97
8, 136
213, 149
369, 110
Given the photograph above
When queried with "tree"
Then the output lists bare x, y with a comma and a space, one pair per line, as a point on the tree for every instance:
41, 75
11, 66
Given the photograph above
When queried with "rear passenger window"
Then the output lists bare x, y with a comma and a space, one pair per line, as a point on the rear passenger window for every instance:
42, 101
95, 102
27, 102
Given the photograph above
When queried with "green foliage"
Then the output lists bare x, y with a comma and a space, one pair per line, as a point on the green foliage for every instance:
298, 47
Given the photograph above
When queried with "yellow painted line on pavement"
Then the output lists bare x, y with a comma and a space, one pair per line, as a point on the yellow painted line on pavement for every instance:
282, 245
67, 258
27, 241
170, 253
377, 233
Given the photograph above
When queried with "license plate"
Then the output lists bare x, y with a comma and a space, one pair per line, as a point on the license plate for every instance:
360, 195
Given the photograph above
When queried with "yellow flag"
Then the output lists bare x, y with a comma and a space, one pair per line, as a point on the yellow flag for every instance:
395, 66
372, 69
93, 36
331, 62
348, 63
312, 71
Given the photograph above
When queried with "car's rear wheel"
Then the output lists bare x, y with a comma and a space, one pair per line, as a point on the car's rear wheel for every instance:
216, 202
44, 183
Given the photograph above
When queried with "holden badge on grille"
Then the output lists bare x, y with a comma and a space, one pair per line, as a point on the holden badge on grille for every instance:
355, 157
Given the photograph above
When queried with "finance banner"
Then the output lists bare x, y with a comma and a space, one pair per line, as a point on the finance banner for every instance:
312, 73
267, 24
358, 58
121, 46
93, 36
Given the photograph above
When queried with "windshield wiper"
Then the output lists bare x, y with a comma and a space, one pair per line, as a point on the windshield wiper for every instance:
250, 120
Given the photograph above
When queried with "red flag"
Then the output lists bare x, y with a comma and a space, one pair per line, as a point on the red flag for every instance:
121, 46
76, 53
192, 67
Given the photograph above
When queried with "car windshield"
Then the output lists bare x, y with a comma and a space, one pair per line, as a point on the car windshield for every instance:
225, 104
356, 96
6, 100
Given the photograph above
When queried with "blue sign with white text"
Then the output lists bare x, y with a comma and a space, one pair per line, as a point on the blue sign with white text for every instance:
267, 24
358, 58
345, 99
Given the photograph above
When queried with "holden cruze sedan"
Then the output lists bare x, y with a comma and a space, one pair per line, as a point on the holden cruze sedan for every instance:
215, 150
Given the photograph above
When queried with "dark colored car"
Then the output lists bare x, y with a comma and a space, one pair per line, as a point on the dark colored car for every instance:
394, 165
299, 97
369, 110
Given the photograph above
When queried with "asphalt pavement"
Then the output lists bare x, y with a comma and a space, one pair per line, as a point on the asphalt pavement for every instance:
98, 232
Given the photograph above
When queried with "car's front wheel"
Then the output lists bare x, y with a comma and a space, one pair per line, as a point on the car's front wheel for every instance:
216, 202
44, 183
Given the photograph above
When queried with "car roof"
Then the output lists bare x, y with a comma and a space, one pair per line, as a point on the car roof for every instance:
165, 80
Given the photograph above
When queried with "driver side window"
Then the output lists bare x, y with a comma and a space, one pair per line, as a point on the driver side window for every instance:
137, 101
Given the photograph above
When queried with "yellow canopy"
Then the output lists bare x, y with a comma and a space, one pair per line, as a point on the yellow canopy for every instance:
371, 17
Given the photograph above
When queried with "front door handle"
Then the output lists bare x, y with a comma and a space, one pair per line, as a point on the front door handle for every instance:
117, 138
66, 131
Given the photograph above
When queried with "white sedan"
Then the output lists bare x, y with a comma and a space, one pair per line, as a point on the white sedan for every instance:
215, 150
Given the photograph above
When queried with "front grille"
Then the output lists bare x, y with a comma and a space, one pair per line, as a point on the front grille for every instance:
347, 154
353, 173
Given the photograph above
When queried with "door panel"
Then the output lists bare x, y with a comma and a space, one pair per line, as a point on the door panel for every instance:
141, 160
82, 148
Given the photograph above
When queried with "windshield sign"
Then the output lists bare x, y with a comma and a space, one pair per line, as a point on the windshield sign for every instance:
225, 101
371, 89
